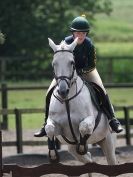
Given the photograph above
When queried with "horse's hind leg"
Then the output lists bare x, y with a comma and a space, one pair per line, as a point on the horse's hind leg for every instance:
108, 147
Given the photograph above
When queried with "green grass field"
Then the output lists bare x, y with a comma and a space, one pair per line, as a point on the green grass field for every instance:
114, 49
35, 99
114, 33
114, 36
118, 25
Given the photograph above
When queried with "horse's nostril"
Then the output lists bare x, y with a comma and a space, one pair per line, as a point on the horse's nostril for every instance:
67, 91
63, 88
63, 93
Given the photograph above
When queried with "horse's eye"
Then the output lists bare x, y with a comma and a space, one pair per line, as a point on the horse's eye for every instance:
54, 64
72, 63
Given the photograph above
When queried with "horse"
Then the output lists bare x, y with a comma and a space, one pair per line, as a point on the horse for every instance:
73, 115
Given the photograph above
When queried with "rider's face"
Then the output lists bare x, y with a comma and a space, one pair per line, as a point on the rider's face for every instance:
81, 36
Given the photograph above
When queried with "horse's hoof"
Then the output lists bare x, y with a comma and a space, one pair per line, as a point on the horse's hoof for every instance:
81, 149
53, 156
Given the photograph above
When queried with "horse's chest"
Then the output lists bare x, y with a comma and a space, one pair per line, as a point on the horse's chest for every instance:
63, 119
58, 111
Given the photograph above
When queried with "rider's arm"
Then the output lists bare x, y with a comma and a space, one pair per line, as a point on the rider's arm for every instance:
91, 60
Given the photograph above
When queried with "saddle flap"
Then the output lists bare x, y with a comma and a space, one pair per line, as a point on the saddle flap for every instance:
97, 94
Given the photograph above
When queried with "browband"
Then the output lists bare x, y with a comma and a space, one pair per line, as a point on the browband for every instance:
63, 51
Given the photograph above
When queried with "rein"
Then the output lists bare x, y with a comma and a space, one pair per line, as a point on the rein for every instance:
68, 99
70, 123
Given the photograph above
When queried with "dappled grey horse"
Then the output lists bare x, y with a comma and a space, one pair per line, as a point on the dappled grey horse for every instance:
72, 113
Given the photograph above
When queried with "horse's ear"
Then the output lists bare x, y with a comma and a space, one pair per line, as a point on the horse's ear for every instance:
52, 44
73, 44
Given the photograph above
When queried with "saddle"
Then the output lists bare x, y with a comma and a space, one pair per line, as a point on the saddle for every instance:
97, 95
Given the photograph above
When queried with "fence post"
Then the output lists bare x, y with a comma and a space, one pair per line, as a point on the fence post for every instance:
1, 173
4, 103
110, 69
18, 131
127, 126
3, 69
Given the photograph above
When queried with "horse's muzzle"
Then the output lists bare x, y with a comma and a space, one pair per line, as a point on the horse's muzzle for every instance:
63, 88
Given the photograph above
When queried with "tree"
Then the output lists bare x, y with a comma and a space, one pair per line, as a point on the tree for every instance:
2, 38
27, 24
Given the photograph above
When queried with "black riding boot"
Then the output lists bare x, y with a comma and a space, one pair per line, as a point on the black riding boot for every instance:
42, 131
113, 122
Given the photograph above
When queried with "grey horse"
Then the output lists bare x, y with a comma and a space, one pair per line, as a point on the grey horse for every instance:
72, 113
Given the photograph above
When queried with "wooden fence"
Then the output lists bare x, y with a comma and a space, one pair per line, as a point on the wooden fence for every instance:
5, 89
126, 120
45, 169
19, 143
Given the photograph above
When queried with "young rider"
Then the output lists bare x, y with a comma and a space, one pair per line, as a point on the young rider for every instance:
85, 63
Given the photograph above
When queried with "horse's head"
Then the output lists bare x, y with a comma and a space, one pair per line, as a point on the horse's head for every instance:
63, 65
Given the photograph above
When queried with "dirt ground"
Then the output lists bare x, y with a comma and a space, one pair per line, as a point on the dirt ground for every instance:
123, 154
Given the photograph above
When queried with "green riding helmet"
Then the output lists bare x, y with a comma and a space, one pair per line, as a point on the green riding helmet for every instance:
80, 24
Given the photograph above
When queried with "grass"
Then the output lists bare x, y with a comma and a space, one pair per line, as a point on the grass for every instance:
113, 36
114, 48
26, 99
120, 67
121, 96
118, 25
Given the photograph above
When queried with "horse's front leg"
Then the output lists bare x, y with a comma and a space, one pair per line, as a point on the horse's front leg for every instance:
85, 128
50, 130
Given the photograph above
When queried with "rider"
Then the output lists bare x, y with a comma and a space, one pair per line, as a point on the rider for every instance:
85, 62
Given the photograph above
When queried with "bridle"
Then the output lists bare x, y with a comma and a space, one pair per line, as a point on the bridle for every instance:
66, 78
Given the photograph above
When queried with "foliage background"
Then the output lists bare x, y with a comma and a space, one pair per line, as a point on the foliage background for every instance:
27, 24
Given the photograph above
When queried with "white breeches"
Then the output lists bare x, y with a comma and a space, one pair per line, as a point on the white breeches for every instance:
93, 76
